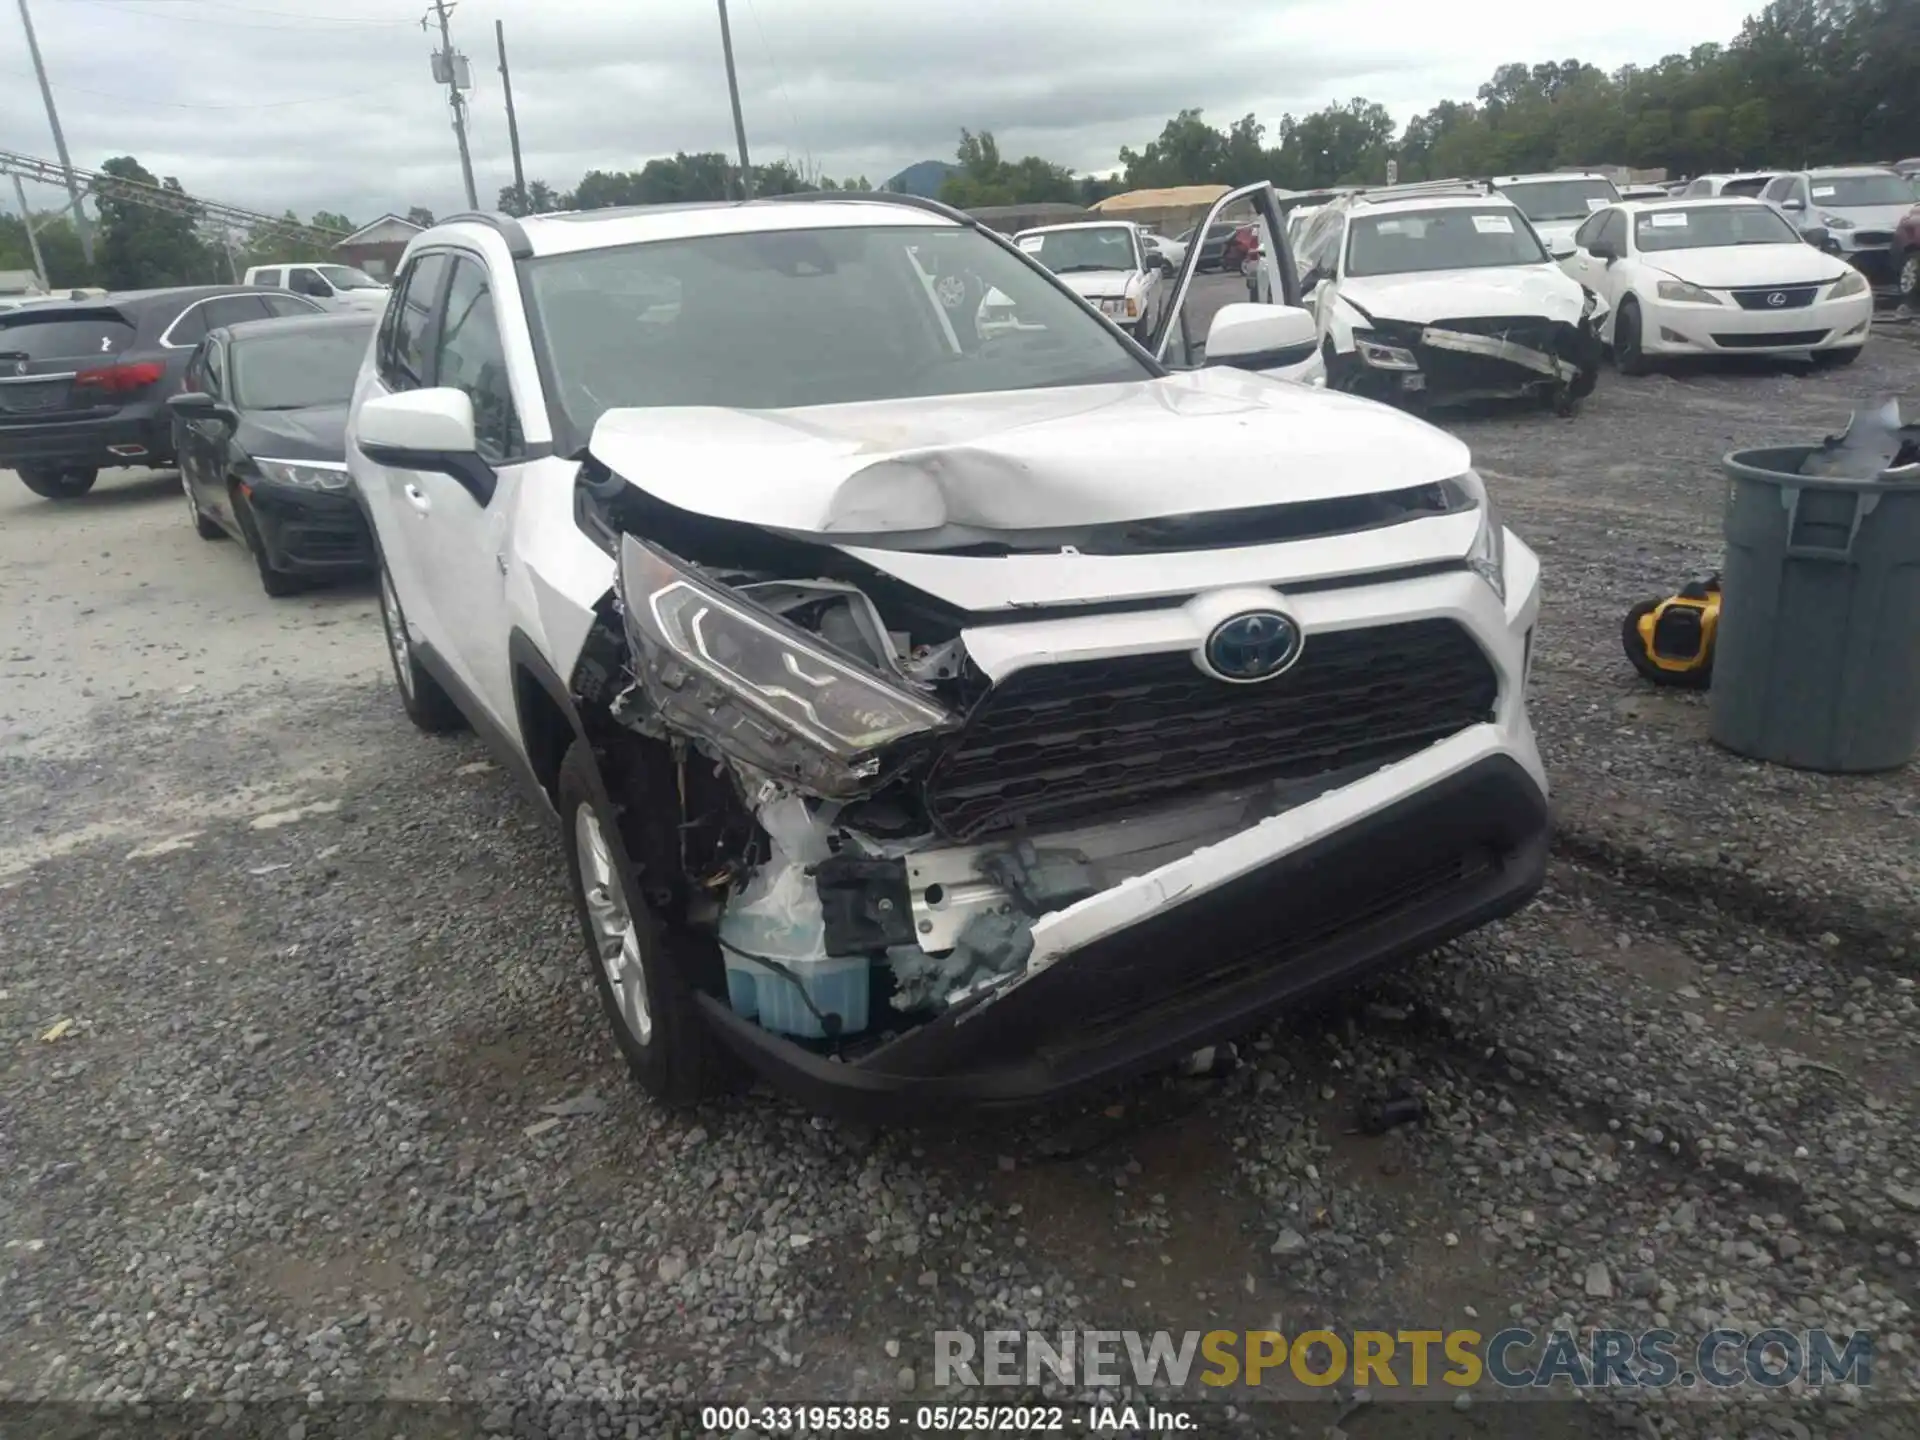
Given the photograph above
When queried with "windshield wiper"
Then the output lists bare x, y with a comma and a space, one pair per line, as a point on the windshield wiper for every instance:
1078, 269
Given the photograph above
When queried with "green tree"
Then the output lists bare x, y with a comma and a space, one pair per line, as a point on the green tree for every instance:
540, 199
141, 246
420, 215
985, 177
331, 220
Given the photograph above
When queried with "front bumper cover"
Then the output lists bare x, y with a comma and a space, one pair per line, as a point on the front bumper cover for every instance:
1430, 864
310, 532
1477, 358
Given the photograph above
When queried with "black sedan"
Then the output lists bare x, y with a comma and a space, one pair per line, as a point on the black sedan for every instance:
260, 428
84, 383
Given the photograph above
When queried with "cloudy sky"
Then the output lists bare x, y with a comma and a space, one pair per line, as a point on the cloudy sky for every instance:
328, 103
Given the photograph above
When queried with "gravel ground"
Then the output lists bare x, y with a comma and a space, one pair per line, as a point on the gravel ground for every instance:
336, 1118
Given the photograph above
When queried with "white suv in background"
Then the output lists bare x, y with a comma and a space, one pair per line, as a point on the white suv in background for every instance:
334, 287
935, 716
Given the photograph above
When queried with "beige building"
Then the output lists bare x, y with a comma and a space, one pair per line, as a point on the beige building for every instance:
1166, 212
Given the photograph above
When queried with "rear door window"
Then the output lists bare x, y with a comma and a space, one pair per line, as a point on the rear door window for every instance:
233, 309
270, 278
282, 305
85, 340
403, 337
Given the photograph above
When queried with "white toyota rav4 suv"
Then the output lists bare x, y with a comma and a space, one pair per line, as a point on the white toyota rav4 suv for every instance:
932, 717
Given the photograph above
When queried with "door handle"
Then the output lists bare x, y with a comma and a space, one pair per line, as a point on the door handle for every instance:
417, 498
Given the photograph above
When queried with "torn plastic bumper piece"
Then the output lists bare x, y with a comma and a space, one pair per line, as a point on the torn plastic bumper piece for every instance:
1495, 347
1358, 896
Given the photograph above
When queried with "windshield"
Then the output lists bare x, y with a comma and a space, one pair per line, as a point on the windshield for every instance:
345, 277
1699, 229
775, 319
1841, 192
1547, 200
1746, 185
1462, 239
1066, 251
307, 367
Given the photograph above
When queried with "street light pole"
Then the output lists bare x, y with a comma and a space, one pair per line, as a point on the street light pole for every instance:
733, 91
59, 139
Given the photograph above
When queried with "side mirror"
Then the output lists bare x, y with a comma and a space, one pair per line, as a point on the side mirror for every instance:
1603, 250
197, 405
1816, 236
1260, 337
430, 430
1793, 203
1564, 251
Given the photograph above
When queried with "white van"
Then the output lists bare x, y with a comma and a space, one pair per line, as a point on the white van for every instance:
337, 287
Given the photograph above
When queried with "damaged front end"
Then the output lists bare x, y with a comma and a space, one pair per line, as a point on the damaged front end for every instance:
941, 883
1478, 358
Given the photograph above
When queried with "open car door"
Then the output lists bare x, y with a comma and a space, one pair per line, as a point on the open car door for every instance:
1252, 320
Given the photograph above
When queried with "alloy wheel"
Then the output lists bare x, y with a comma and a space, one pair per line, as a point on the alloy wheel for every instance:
616, 939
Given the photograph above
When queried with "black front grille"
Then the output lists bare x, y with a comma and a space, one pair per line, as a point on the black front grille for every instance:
1761, 297
1771, 338
1058, 743
1873, 237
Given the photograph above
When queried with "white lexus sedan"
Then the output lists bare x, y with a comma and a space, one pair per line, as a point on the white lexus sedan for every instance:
1717, 277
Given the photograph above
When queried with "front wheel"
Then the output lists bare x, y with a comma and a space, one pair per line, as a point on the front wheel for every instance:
59, 484
634, 959
1910, 277
1628, 357
426, 702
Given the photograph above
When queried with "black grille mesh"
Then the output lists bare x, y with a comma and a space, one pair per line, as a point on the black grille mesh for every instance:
1059, 743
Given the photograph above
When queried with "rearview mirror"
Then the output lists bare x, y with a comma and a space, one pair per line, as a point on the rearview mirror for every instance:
430, 430
1260, 337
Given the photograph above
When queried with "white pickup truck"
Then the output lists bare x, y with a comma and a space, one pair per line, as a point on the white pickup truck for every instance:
336, 287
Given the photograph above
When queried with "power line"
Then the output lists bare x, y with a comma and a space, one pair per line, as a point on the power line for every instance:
188, 105
159, 197
338, 24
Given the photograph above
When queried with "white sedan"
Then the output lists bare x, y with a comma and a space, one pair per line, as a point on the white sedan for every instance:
1717, 277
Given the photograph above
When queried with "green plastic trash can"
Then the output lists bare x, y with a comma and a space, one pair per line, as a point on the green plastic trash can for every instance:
1816, 661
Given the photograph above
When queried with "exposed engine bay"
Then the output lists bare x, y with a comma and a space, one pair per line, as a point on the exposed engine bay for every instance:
869, 826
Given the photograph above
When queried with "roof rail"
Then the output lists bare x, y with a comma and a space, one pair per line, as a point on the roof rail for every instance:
508, 228
873, 197
1426, 187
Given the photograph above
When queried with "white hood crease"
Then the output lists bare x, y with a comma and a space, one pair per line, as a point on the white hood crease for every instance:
1029, 460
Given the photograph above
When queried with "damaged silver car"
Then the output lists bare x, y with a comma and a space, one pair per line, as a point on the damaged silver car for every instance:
940, 711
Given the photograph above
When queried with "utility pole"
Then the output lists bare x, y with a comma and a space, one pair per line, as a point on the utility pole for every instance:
59, 139
450, 69
33, 238
733, 90
513, 126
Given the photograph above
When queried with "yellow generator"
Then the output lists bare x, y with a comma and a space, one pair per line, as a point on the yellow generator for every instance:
1670, 641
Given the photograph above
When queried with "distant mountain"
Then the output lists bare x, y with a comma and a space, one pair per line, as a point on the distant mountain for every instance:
924, 178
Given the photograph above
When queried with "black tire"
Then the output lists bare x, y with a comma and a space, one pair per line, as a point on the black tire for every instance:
424, 699
277, 583
203, 527
676, 1060
59, 484
1834, 359
1907, 276
1628, 357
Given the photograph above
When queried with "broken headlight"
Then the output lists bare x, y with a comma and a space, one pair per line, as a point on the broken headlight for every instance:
1383, 357
717, 667
1487, 556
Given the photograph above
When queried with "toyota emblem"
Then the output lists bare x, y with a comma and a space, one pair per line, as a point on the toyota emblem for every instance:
1777, 299
1255, 645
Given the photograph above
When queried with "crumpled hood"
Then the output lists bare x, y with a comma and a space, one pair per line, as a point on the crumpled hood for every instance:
316, 434
1720, 267
1092, 284
1431, 295
1215, 439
